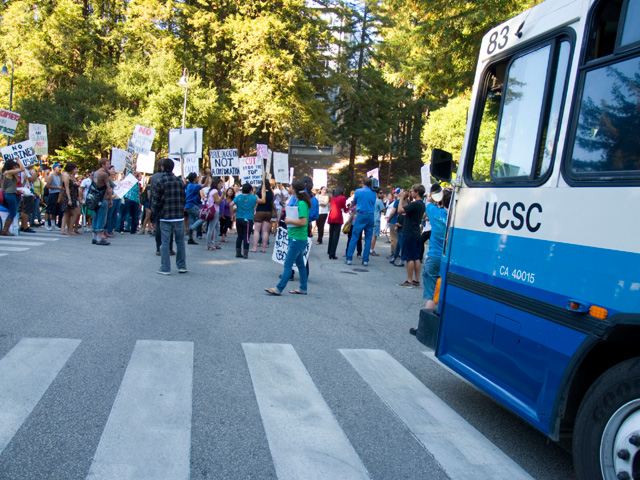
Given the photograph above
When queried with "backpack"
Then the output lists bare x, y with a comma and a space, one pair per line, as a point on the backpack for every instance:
94, 197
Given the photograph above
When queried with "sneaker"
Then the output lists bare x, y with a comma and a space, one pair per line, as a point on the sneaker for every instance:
162, 272
347, 262
182, 270
364, 264
416, 284
191, 241
406, 284
48, 228
56, 228
374, 254
158, 254
393, 261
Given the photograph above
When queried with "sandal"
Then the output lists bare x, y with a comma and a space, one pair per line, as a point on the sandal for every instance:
209, 248
298, 292
272, 291
252, 250
263, 251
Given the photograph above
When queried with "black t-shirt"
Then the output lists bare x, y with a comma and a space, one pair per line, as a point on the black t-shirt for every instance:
265, 207
413, 217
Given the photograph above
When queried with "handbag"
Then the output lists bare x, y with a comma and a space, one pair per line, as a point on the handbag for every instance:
346, 228
207, 212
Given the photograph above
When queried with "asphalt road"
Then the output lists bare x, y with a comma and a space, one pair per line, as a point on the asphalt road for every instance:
109, 370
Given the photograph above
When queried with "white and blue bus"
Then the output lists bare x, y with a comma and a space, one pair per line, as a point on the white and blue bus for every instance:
539, 297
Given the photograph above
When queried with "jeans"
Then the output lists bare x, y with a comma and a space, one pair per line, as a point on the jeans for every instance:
295, 254
398, 252
213, 231
100, 218
194, 221
166, 228
430, 275
364, 221
112, 216
244, 232
133, 210
35, 215
11, 203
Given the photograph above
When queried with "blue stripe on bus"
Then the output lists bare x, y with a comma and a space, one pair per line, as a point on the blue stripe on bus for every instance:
561, 271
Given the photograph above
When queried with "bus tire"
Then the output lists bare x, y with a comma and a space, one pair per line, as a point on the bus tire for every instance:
607, 426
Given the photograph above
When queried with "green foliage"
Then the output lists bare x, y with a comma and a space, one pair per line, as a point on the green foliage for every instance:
445, 127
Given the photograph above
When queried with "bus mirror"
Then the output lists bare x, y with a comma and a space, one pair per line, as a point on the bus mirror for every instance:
441, 165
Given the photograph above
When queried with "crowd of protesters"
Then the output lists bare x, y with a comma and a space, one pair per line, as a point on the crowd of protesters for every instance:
212, 208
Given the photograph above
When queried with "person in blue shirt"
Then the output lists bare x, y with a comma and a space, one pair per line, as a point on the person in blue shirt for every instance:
194, 196
437, 211
364, 200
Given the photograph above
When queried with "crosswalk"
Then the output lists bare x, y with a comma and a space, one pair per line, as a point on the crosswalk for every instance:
26, 241
148, 431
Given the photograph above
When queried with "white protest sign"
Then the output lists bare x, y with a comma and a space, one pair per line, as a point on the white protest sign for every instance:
119, 159
177, 169
375, 173
224, 162
251, 171
126, 184
262, 151
282, 246
8, 122
38, 135
319, 178
142, 138
191, 164
189, 140
291, 175
269, 157
146, 163
425, 173
23, 152
280, 167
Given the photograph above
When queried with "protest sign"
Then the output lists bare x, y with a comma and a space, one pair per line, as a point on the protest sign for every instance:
269, 157
142, 139
282, 246
23, 152
291, 175
146, 163
119, 159
126, 184
261, 151
224, 162
191, 164
8, 122
425, 173
280, 167
319, 178
251, 171
187, 140
38, 135
375, 173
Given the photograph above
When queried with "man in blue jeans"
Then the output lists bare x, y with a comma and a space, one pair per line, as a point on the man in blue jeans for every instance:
364, 200
167, 205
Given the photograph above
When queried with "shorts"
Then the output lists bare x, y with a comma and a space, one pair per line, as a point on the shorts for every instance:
52, 203
26, 204
410, 249
86, 211
430, 275
260, 217
376, 228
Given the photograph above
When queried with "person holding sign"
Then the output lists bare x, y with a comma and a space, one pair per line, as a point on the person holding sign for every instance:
9, 185
297, 220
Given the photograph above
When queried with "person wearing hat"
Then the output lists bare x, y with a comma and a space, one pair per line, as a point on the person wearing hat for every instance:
437, 211
54, 184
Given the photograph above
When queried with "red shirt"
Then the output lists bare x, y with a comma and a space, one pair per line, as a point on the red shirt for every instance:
338, 205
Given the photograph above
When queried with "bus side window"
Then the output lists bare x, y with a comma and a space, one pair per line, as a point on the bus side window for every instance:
522, 103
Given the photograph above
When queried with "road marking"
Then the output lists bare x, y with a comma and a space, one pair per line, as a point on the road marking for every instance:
304, 437
461, 450
3, 254
13, 249
19, 242
148, 433
25, 375
42, 238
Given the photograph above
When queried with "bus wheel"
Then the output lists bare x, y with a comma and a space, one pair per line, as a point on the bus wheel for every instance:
606, 437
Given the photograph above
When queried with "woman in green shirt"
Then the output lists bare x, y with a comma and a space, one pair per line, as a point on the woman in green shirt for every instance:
297, 230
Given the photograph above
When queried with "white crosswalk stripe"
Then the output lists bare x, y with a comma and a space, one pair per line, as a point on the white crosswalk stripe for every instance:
21, 243
25, 375
13, 249
26, 241
148, 433
462, 451
304, 437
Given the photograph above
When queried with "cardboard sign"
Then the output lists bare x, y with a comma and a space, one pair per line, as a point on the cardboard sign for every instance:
251, 171
23, 152
425, 173
146, 163
126, 184
262, 151
191, 164
119, 159
375, 173
281, 248
142, 139
281, 167
187, 140
224, 162
38, 135
319, 178
8, 122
